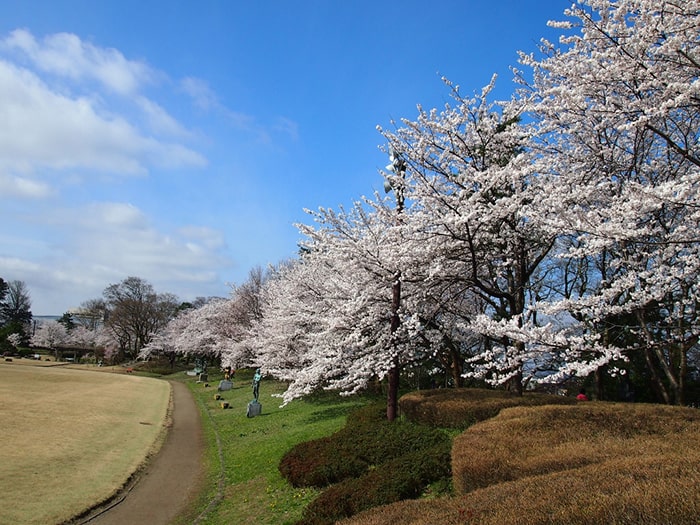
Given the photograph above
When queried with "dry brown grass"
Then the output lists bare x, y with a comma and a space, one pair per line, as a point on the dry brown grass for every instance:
71, 438
462, 407
528, 441
594, 463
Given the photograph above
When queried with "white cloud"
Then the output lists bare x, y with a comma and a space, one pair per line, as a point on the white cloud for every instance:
205, 99
74, 116
66, 55
160, 120
13, 265
58, 108
201, 235
23, 188
121, 237
87, 248
45, 129
111, 215
202, 95
287, 127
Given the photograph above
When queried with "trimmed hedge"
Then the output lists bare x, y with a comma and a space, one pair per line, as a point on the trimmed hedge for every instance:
531, 441
462, 407
402, 478
369, 462
366, 441
596, 463
320, 463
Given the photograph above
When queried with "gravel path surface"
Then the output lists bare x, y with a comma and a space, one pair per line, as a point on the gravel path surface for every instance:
171, 479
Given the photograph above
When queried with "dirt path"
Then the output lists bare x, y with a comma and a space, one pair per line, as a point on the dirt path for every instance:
172, 478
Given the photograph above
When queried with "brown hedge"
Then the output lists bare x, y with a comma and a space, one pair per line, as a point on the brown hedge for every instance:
531, 441
462, 407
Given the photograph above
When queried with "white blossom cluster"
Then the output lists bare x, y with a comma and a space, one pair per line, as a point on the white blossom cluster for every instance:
53, 335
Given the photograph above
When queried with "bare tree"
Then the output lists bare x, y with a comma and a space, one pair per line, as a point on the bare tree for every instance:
135, 313
91, 313
15, 307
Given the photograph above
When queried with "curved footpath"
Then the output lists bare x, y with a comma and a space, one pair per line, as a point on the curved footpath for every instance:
171, 479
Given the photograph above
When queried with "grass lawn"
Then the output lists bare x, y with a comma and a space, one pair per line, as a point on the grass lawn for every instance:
244, 484
71, 438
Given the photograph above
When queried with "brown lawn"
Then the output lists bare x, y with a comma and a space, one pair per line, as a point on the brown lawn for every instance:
71, 438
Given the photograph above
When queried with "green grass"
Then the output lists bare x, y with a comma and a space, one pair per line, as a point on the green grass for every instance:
243, 484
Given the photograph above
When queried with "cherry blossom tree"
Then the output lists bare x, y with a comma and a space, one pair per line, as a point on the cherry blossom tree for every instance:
215, 330
550, 236
292, 306
81, 336
50, 334
106, 344
15, 340
616, 108
326, 317
244, 310
192, 332
468, 182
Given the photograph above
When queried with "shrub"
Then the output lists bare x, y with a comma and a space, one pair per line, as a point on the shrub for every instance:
528, 441
595, 463
367, 415
367, 463
461, 407
402, 478
643, 490
366, 441
320, 462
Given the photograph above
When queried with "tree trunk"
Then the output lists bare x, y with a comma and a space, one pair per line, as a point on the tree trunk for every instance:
672, 393
657, 383
598, 374
457, 370
392, 400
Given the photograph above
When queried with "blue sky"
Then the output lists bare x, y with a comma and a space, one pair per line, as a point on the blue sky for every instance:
181, 141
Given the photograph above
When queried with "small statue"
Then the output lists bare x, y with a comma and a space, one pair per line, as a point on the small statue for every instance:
256, 383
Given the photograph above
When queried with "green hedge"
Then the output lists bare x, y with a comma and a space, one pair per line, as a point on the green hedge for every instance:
366, 441
402, 478
369, 462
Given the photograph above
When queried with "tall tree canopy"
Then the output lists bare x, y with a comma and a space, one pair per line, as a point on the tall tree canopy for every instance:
135, 313
15, 303
617, 109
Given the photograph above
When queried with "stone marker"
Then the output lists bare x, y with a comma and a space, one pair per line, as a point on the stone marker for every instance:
225, 385
254, 409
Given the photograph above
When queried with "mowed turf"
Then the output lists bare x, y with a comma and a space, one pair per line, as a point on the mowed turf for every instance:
71, 438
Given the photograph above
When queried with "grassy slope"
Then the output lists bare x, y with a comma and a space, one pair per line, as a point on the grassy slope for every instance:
244, 484
53, 418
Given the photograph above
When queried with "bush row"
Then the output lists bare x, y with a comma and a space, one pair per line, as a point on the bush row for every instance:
400, 479
596, 463
366, 441
462, 407
369, 462
530, 441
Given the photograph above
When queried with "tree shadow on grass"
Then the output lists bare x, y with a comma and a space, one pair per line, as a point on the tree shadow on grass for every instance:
329, 413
